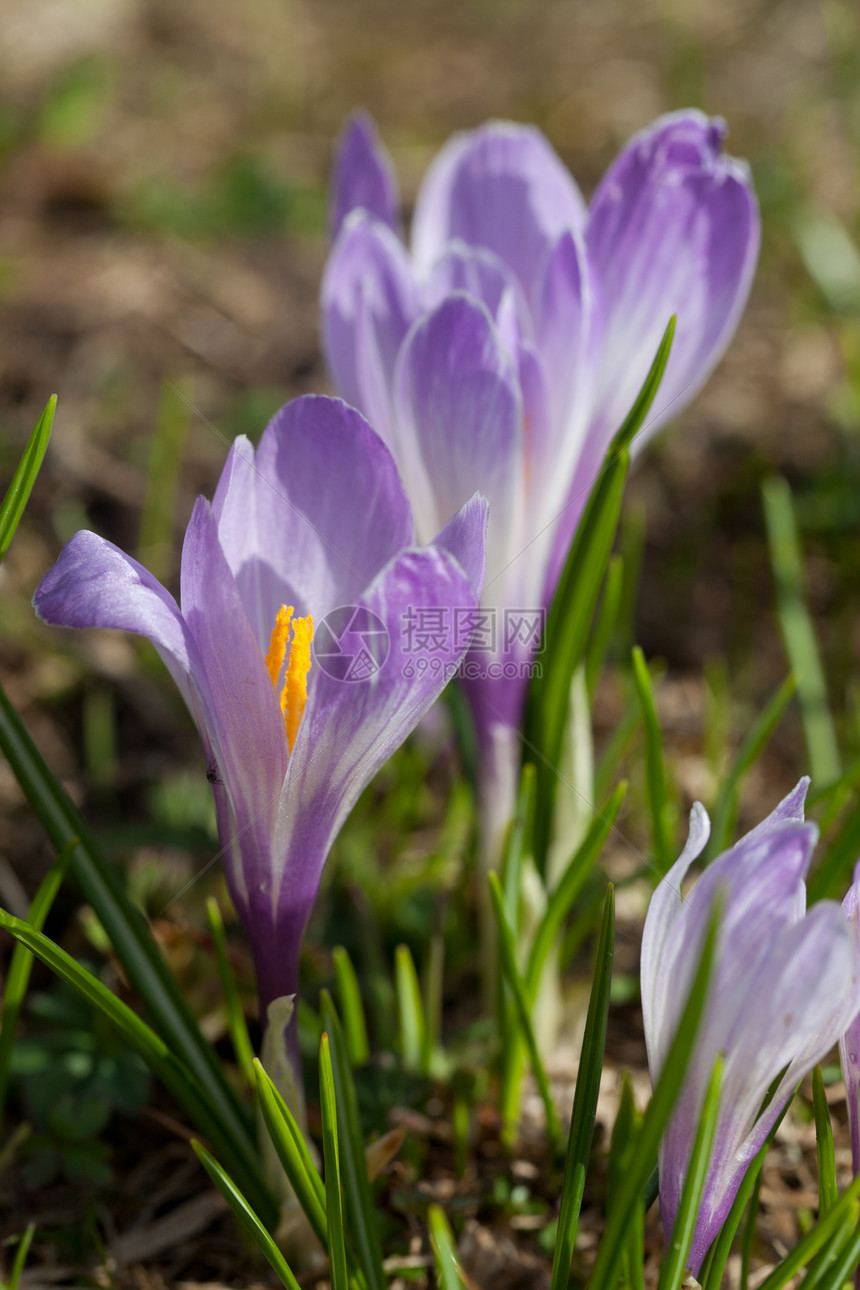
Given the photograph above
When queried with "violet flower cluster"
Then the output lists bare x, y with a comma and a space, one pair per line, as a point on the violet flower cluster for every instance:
505, 350
785, 988
313, 522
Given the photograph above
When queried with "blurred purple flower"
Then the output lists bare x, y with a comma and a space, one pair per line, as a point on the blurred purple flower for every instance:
314, 520
784, 988
505, 351
849, 1044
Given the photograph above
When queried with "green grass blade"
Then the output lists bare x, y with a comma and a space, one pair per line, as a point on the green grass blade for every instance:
819, 1269
519, 843
432, 993
571, 613
798, 631
333, 1194
655, 774
845, 1264
159, 1057
749, 1231
809, 1245
827, 1190
20, 1257
444, 1253
569, 886
360, 1215
246, 1216
21, 963
834, 797
833, 874
607, 617
410, 1010
236, 1022
617, 744
626, 1125
654, 1122
624, 1129
137, 951
719, 1254
512, 1054
293, 1153
18, 492
631, 548
349, 994
567, 630
830, 257
725, 813
671, 1274
508, 955
635, 418
585, 1100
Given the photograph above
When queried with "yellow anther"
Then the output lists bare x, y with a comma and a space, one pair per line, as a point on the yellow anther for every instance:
278, 643
295, 691
297, 655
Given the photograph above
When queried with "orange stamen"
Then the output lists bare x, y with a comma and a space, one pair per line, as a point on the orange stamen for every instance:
278, 643
295, 692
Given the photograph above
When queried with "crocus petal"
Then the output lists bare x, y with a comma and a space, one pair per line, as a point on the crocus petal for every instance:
465, 538
479, 273
502, 187
243, 711
460, 421
790, 808
666, 907
761, 875
95, 584
784, 987
543, 480
795, 1005
363, 176
569, 335
745, 867
368, 303
673, 229
350, 729
849, 1044
314, 514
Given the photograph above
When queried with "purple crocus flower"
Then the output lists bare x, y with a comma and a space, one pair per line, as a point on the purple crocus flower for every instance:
313, 527
849, 1044
505, 351
784, 988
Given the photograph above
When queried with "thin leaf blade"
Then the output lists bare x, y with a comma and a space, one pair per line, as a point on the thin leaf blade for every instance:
331, 1160
246, 1216
359, 1208
444, 1253
585, 1099
656, 1118
18, 492
508, 955
683, 1231
137, 951
293, 1153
